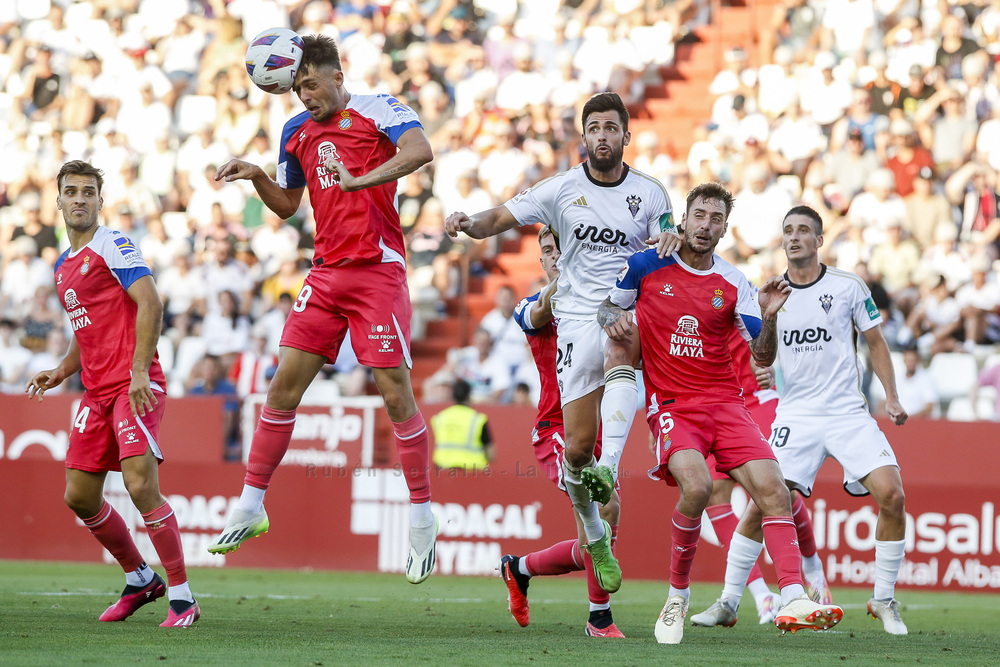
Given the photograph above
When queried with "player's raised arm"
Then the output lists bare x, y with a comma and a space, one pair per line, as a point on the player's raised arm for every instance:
772, 297
414, 152
481, 225
882, 365
148, 317
278, 199
45, 380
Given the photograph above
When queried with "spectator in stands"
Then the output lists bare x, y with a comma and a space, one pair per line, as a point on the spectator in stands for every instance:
906, 156
225, 331
41, 98
418, 73
209, 379
988, 139
914, 95
951, 137
935, 323
508, 338
288, 279
884, 91
795, 24
896, 260
980, 304
859, 116
430, 255
39, 317
944, 258
955, 46
487, 372
43, 235
915, 387
825, 96
758, 205
254, 366
22, 275
650, 159
274, 242
221, 272
877, 205
847, 27
926, 209
973, 188
795, 141
851, 166
183, 292
53, 349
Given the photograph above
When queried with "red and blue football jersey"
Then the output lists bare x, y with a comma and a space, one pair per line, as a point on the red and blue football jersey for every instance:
352, 228
92, 284
542, 342
686, 318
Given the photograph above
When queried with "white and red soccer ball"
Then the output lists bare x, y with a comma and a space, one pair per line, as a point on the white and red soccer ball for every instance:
273, 58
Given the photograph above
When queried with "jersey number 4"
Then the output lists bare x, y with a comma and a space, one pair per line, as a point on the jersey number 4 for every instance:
80, 422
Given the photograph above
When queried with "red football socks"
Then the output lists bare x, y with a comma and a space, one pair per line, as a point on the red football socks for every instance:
110, 530
166, 537
779, 537
685, 532
270, 442
560, 558
412, 447
803, 527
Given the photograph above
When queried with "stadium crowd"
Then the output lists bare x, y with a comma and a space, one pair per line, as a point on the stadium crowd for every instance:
882, 115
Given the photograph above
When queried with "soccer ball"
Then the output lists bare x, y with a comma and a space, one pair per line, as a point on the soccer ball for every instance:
273, 59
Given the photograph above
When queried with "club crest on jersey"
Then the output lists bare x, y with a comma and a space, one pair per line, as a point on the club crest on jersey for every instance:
345, 120
827, 302
86, 265
633, 202
717, 301
622, 274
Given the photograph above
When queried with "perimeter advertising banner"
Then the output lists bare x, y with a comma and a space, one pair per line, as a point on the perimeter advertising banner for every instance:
345, 506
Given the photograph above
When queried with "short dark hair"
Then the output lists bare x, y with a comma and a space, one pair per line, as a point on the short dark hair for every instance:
809, 212
606, 102
713, 190
80, 168
461, 390
319, 51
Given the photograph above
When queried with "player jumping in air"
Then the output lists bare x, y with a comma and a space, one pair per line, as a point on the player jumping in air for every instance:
349, 150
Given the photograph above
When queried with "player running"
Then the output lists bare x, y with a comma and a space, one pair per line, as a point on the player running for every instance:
534, 314
115, 311
349, 150
601, 211
823, 411
687, 307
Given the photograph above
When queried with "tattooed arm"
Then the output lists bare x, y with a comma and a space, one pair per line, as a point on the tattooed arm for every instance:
615, 320
772, 297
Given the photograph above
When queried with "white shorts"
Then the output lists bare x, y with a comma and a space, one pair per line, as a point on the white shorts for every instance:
802, 443
579, 358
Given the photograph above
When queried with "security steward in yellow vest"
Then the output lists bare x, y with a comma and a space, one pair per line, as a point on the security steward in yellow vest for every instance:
461, 435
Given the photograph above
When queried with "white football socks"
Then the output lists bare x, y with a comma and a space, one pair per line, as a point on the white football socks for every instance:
618, 408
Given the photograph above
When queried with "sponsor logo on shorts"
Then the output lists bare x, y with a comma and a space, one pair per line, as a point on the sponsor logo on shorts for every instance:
381, 336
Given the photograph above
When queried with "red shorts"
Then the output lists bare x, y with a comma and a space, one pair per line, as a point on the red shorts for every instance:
725, 430
549, 450
372, 301
763, 415
106, 432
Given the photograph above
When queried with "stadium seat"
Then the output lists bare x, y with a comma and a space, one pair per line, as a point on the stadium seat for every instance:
954, 374
175, 224
321, 391
960, 410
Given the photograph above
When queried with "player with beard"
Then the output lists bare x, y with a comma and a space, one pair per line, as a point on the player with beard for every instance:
601, 211
687, 307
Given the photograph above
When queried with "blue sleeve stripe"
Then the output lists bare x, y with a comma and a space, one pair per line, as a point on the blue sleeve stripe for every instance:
521, 312
396, 131
62, 258
294, 178
752, 324
128, 276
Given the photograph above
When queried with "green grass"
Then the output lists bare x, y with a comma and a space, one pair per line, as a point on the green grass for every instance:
48, 616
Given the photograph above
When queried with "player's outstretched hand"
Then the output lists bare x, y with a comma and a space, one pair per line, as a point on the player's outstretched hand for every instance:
43, 381
455, 223
140, 395
666, 243
895, 410
772, 296
619, 325
765, 375
236, 170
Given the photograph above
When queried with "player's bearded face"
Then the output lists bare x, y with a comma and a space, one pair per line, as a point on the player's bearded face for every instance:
605, 139
704, 224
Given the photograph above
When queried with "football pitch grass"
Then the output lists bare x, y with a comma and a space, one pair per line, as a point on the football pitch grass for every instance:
48, 616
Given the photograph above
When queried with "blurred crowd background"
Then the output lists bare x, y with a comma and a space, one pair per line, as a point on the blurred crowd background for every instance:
884, 115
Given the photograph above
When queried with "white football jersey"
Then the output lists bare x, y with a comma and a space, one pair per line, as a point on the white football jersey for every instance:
817, 345
598, 225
